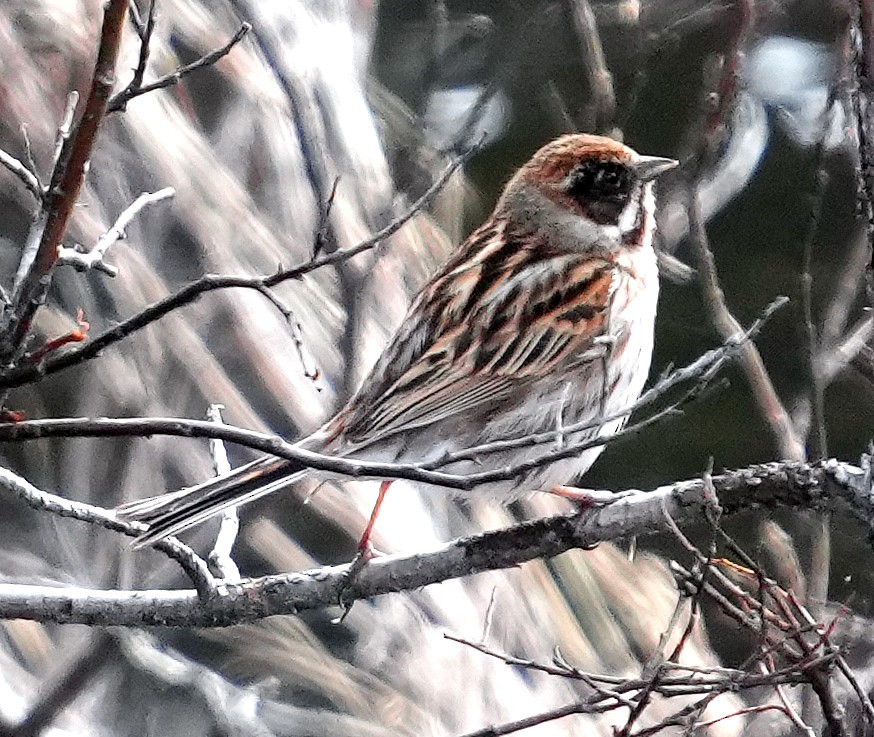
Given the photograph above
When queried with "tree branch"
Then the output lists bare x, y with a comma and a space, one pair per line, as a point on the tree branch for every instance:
829, 485
21, 375
94, 259
41, 252
42, 500
137, 88
24, 174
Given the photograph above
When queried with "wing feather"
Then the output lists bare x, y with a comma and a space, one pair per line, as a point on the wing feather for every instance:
512, 312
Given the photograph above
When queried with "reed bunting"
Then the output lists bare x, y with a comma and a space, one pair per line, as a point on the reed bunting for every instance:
544, 314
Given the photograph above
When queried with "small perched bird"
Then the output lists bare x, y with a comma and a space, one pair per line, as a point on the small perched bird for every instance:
543, 317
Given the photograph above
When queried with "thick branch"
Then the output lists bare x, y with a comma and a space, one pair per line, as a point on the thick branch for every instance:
830, 485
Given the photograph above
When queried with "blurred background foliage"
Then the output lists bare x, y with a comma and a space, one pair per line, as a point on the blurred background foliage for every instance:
382, 94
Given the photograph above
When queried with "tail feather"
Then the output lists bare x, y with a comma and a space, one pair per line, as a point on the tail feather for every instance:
172, 513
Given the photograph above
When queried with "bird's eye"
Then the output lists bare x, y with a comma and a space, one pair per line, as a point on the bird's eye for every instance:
600, 180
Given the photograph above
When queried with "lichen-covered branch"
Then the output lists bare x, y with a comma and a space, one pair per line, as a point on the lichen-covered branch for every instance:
833, 485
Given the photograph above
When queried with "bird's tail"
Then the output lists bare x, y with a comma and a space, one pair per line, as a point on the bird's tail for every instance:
169, 514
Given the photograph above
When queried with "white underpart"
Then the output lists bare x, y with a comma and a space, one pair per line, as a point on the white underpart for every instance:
628, 218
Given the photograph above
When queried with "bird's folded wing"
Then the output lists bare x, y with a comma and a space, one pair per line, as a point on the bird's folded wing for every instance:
540, 319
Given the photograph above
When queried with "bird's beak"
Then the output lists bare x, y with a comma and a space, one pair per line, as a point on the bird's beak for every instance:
647, 168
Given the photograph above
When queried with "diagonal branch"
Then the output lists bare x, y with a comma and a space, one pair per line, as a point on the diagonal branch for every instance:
192, 564
23, 172
791, 446
19, 376
136, 88
41, 252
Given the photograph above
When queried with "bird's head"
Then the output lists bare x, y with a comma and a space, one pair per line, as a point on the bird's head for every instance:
589, 182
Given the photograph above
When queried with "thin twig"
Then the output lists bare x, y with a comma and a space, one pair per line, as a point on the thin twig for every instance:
325, 220
94, 259
299, 457
29, 158
65, 126
148, 29
38, 260
817, 434
594, 62
120, 100
220, 559
763, 389
24, 174
37, 499
28, 374
137, 20
778, 419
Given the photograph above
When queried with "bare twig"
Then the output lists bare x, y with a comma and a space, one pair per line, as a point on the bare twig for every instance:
41, 253
325, 220
817, 431
145, 31
788, 709
778, 419
815, 342
133, 90
27, 374
172, 548
65, 126
24, 174
598, 74
28, 154
274, 445
94, 259
675, 680
785, 627
310, 369
220, 560
137, 20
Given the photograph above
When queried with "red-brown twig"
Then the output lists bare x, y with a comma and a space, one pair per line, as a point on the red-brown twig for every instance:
21, 375
35, 273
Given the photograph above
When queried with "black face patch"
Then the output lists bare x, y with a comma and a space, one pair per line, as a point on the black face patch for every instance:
601, 188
